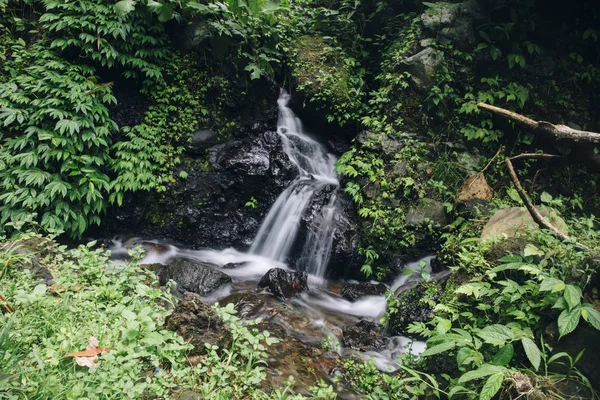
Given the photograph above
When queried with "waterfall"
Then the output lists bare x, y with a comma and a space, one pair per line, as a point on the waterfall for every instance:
316, 171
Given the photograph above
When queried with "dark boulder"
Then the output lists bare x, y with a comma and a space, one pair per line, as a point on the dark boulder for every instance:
284, 284
208, 208
193, 277
354, 291
363, 336
413, 305
198, 324
247, 305
202, 140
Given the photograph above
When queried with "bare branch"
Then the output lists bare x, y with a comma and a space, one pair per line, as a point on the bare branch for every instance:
537, 155
535, 214
558, 131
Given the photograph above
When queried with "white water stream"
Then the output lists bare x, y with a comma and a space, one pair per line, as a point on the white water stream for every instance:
316, 170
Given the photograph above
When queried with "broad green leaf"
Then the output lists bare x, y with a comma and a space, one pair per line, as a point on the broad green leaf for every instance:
568, 320
551, 284
496, 334
440, 348
531, 250
572, 296
504, 355
481, 372
593, 315
491, 386
533, 352
546, 197
128, 315
125, 6
153, 339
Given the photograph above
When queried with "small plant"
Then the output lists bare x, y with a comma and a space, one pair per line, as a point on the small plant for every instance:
252, 203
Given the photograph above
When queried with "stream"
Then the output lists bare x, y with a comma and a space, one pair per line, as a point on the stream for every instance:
316, 316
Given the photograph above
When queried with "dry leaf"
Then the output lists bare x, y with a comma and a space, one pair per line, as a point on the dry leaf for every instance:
476, 187
88, 352
89, 356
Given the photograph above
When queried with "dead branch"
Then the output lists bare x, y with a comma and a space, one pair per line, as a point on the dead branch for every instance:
5, 305
558, 131
537, 156
535, 214
98, 88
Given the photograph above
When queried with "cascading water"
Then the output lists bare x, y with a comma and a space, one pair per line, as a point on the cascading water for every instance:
316, 171
319, 312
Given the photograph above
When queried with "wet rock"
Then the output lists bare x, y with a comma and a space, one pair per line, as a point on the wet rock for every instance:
41, 271
238, 158
354, 291
587, 338
422, 68
193, 277
207, 209
451, 22
202, 140
189, 395
198, 324
363, 336
155, 247
247, 305
284, 284
235, 265
475, 209
515, 220
428, 211
511, 245
413, 305
339, 235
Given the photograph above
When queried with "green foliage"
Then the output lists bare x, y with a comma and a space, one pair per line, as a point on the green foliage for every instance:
495, 319
329, 77
124, 309
55, 140
407, 383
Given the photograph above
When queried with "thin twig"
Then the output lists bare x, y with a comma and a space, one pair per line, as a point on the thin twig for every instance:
98, 88
535, 214
536, 155
493, 158
5, 305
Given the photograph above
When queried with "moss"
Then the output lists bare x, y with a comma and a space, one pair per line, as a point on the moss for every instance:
327, 76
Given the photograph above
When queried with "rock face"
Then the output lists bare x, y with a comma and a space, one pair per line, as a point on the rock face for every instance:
515, 220
451, 22
427, 211
343, 256
422, 68
246, 304
284, 284
363, 336
208, 209
193, 277
198, 324
354, 291
413, 305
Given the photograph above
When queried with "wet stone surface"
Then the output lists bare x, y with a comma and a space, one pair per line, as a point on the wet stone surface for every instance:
283, 284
